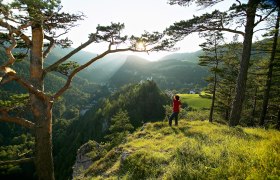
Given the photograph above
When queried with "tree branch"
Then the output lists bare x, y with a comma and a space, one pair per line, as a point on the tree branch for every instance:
263, 29
9, 49
82, 46
18, 32
24, 160
262, 19
20, 121
10, 76
206, 22
71, 76
27, 85
238, 2
50, 46
204, 28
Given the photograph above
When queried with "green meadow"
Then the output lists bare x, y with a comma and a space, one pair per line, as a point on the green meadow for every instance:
196, 101
193, 150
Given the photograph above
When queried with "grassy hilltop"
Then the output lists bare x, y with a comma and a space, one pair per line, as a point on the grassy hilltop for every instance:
193, 150
196, 101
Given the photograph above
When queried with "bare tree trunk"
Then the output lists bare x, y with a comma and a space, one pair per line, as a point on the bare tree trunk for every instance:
227, 111
43, 138
252, 121
236, 109
41, 109
278, 120
269, 73
226, 114
213, 98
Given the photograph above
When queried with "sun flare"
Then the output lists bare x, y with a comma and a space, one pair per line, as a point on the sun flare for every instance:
140, 46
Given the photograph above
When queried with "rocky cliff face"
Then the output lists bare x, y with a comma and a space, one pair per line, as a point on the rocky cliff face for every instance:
91, 152
86, 155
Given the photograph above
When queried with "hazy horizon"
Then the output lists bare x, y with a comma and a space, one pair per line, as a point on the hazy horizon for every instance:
137, 16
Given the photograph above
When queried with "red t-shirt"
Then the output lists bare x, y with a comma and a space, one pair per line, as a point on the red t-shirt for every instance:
176, 105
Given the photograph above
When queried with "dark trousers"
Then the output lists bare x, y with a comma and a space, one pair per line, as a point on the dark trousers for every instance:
173, 115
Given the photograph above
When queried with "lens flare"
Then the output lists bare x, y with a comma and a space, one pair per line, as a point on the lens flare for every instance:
140, 46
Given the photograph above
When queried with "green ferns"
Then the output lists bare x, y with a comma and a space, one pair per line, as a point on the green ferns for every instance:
193, 150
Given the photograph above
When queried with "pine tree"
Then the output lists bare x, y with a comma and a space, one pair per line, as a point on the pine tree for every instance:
227, 75
119, 128
213, 54
45, 23
270, 70
242, 15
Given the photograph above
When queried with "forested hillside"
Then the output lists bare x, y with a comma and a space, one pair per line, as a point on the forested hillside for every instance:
189, 57
168, 74
176, 71
99, 72
143, 102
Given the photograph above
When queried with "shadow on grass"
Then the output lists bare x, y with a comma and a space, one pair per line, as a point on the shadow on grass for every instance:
238, 132
185, 130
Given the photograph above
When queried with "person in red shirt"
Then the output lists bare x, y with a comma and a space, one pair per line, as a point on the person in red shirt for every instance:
176, 109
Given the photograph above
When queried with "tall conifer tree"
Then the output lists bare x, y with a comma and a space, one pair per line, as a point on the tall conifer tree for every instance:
213, 54
240, 14
37, 26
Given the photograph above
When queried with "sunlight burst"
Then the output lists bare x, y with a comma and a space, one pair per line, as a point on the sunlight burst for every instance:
140, 46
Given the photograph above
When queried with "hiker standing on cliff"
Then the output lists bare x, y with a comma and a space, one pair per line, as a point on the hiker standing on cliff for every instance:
176, 110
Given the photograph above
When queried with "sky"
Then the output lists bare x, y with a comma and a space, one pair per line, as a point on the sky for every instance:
149, 15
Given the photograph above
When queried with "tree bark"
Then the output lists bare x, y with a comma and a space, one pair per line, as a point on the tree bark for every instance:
252, 120
215, 83
43, 140
41, 109
236, 110
278, 120
228, 108
213, 98
269, 73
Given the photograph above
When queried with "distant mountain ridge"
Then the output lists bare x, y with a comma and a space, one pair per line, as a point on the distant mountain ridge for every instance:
174, 71
188, 56
168, 74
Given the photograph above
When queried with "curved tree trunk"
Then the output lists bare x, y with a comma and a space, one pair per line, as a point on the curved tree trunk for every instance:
41, 109
236, 109
269, 73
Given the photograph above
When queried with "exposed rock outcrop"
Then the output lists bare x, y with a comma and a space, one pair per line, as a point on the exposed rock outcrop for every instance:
86, 155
